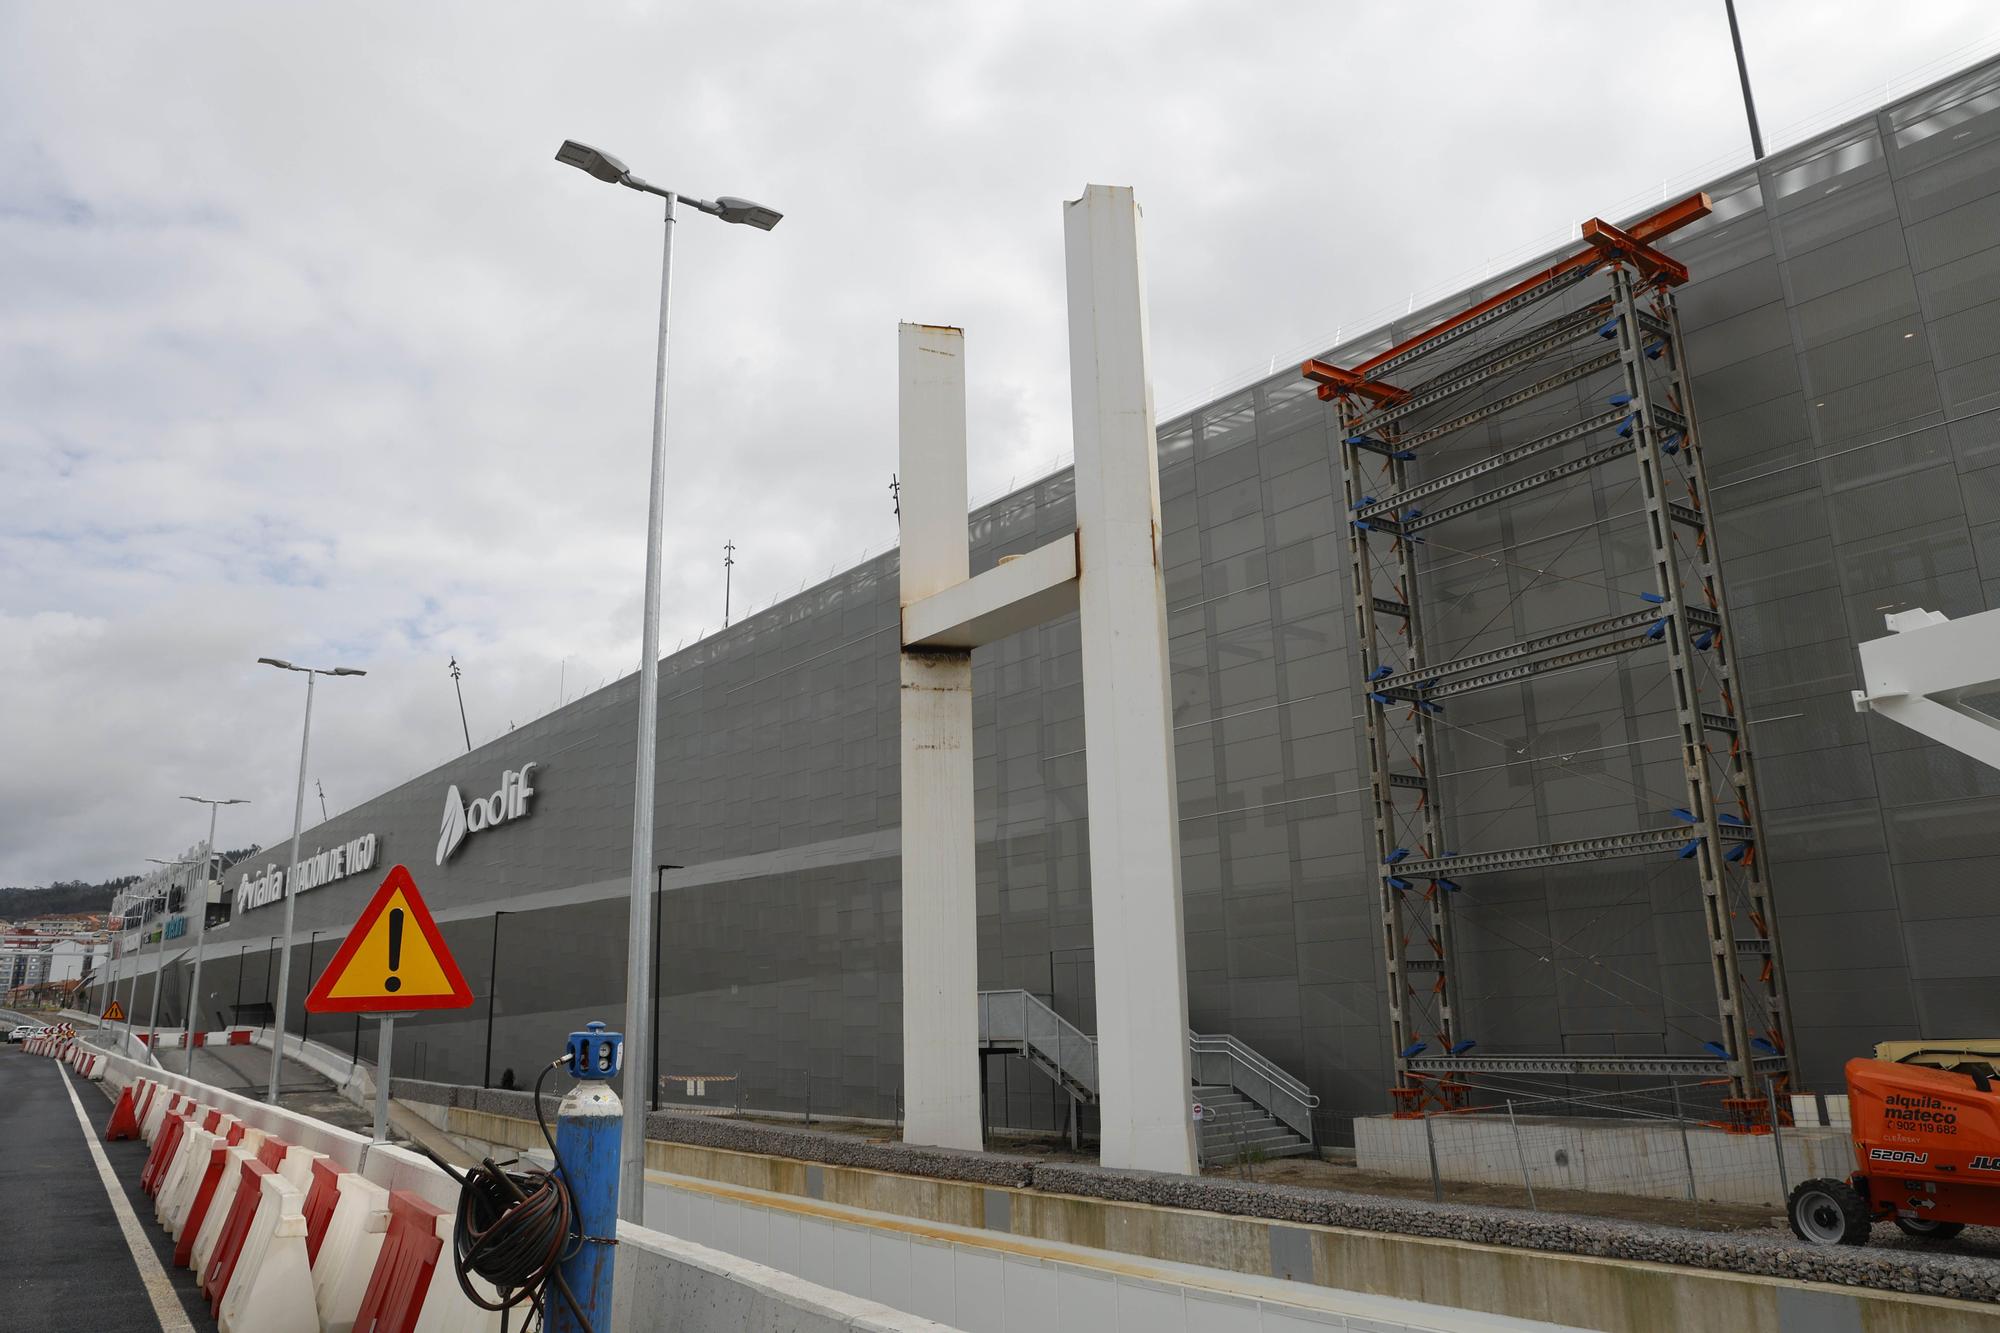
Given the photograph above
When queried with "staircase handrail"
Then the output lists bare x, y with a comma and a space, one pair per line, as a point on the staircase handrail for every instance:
1235, 1047
1072, 1051
1284, 1097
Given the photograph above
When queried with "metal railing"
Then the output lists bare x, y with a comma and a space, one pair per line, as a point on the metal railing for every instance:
1014, 1018
1018, 1020
1220, 1060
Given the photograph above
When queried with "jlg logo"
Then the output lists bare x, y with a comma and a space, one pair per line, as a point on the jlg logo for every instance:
1986, 1164
1901, 1155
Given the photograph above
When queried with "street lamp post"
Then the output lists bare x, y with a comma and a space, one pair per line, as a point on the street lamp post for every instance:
292, 874
492, 995
160, 953
201, 926
638, 958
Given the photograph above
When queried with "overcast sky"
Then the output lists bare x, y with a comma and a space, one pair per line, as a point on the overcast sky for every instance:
308, 348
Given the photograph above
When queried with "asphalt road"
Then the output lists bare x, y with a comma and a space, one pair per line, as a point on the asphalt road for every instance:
68, 1265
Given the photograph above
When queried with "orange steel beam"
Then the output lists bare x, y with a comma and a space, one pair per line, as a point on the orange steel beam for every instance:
1333, 381
1616, 244
1669, 219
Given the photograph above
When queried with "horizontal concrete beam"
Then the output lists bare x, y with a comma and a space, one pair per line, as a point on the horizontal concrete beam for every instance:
1020, 594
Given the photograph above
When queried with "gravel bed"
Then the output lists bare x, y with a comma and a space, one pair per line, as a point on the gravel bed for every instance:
1896, 1265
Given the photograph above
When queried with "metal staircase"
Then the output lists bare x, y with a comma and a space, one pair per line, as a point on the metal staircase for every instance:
1250, 1106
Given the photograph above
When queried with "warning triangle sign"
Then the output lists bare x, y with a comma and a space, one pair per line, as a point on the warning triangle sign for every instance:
393, 960
114, 1012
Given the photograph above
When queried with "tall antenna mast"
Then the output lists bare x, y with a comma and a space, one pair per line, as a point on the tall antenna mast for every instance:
322, 799
896, 498
460, 691
728, 566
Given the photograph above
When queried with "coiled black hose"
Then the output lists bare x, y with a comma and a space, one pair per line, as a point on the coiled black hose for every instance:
515, 1226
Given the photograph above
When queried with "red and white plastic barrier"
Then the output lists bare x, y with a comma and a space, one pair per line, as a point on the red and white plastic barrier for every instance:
274, 1211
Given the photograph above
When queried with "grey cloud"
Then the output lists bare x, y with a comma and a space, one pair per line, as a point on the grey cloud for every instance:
307, 346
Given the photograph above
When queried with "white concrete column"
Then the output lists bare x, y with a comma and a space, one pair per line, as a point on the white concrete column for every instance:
1135, 859
940, 908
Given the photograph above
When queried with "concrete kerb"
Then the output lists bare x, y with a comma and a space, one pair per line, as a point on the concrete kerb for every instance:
1753, 1254
807, 1145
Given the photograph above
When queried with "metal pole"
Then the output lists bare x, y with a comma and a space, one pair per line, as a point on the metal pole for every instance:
305, 1015
1521, 1154
639, 935
1431, 1147
1687, 1153
200, 934
291, 902
1743, 75
653, 1053
492, 994
241, 963
728, 568
460, 691
1777, 1140
383, 1066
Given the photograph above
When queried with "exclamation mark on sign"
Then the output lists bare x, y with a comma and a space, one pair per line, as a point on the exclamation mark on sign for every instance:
395, 983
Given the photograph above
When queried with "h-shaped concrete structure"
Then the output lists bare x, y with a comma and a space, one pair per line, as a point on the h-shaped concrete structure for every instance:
1110, 572
1932, 673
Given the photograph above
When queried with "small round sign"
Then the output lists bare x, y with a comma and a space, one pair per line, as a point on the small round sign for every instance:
1197, 1110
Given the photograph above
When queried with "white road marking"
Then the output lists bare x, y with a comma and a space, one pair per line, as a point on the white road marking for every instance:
159, 1289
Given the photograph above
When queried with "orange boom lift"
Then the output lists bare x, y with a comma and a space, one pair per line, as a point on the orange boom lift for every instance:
1928, 1141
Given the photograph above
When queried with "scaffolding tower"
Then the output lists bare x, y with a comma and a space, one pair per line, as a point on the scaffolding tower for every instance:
1409, 419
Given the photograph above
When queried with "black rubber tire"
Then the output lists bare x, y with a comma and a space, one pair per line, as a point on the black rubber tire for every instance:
1827, 1212
1927, 1230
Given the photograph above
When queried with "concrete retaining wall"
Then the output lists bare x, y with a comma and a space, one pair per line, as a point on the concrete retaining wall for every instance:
1621, 1277
1644, 1158
681, 1285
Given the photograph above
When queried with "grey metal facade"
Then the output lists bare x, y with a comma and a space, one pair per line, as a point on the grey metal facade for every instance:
1844, 328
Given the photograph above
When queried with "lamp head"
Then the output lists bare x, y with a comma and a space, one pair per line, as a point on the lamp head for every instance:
748, 212
595, 161
347, 671
278, 662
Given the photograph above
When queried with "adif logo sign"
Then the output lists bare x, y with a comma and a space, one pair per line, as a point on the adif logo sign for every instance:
461, 819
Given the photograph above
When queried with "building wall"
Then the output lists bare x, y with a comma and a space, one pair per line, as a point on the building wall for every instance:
1844, 327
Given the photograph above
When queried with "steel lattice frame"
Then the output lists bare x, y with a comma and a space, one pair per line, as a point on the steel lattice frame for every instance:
1682, 625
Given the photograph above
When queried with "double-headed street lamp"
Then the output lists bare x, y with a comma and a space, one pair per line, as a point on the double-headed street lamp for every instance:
292, 874
201, 927
638, 959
